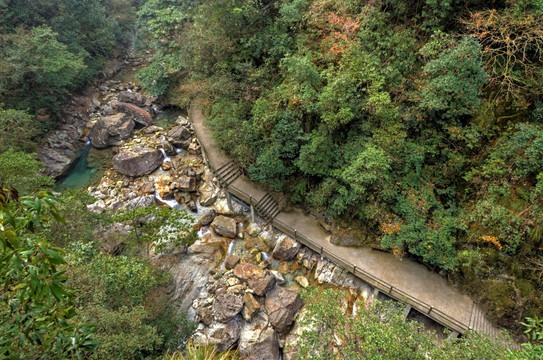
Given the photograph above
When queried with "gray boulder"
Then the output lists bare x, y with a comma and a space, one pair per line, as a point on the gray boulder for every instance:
224, 226
282, 306
137, 161
224, 335
258, 340
208, 194
141, 202
180, 136
111, 130
133, 98
226, 307
207, 217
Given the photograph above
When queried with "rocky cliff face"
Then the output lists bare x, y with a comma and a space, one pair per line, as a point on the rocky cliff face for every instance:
62, 145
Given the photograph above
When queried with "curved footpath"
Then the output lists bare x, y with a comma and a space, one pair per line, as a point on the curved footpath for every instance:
402, 279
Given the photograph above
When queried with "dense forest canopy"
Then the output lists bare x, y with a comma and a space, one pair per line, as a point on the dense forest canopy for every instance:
418, 123
415, 127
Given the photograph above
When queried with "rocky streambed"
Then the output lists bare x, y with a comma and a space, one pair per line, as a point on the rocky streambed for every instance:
240, 280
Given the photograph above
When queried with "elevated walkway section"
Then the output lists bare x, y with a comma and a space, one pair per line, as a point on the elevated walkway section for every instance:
402, 279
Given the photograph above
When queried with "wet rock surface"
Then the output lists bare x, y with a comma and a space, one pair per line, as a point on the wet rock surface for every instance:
61, 147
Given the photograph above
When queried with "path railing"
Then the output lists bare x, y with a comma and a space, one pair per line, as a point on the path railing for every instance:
383, 286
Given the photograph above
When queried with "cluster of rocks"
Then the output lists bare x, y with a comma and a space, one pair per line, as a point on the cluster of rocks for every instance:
253, 303
141, 169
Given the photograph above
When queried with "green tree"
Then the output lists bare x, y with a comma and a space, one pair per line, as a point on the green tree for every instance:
21, 171
17, 130
454, 78
36, 306
36, 70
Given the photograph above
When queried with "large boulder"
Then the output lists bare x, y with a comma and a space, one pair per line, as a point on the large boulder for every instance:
226, 307
286, 248
137, 161
163, 188
207, 217
187, 183
258, 340
224, 335
111, 130
208, 194
133, 97
138, 114
180, 136
224, 226
261, 281
282, 306
211, 248
327, 272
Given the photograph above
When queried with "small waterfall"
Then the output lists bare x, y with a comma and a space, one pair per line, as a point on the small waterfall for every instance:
128, 89
167, 159
265, 256
155, 109
203, 232
230, 247
172, 203
87, 141
179, 150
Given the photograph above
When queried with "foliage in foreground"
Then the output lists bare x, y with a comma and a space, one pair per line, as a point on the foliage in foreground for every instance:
379, 331
202, 352
120, 293
36, 306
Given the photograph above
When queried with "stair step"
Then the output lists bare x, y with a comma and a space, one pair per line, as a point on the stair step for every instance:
270, 206
264, 200
220, 168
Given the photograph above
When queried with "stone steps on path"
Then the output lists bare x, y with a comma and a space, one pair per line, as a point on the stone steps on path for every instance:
227, 173
268, 207
479, 322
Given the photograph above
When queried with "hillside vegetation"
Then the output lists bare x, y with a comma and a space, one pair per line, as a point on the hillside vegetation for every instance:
417, 126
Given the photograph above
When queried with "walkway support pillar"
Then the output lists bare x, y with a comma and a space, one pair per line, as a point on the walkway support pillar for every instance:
229, 201
406, 311
453, 335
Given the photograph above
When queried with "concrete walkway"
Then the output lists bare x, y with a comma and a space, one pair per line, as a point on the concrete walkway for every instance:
402, 279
